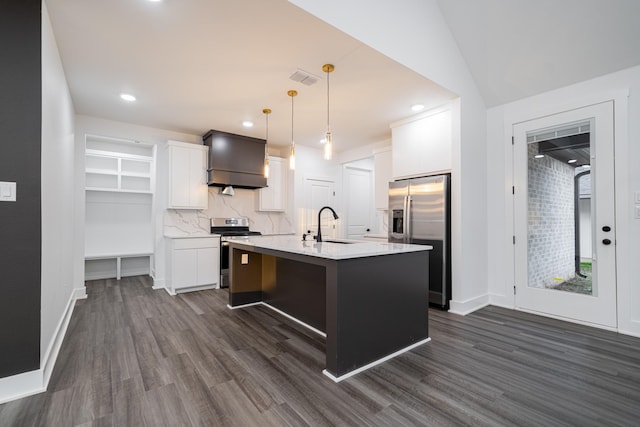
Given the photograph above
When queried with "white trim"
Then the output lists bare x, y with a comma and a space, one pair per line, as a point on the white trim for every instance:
243, 305
158, 284
288, 316
567, 319
311, 328
468, 306
431, 112
51, 355
374, 363
37, 381
21, 385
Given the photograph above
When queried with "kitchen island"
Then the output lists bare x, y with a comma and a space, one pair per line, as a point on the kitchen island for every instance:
369, 299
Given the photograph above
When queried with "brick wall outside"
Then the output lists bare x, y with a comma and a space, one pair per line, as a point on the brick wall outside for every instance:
551, 220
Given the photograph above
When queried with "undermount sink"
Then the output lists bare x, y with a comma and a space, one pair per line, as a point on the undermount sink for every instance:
342, 242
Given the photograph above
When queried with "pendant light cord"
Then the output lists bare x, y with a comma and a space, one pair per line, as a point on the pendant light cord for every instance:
328, 121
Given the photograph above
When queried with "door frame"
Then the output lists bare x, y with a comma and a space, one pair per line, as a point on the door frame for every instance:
551, 104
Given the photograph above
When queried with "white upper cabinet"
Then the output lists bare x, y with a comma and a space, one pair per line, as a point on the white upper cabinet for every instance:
422, 145
187, 176
382, 173
274, 196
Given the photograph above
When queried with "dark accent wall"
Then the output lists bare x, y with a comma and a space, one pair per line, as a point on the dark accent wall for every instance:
20, 224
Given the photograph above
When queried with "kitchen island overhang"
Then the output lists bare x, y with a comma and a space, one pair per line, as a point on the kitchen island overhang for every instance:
369, 299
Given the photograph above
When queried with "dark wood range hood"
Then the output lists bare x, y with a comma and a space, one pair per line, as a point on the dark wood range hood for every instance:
235, 160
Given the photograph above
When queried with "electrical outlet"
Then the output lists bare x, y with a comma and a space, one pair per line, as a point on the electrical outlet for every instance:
244, 259
637, 197
637, 211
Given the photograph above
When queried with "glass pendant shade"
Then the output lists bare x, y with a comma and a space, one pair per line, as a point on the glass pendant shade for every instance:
266, 112
328, 146
292, 157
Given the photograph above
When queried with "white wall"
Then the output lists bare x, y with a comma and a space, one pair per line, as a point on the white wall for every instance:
414, 33
57, 284
310, 163
500, 119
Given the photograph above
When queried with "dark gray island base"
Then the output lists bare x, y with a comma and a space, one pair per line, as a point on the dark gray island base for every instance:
371, 306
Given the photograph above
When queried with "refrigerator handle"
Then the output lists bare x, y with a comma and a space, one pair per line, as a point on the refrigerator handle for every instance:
407, 219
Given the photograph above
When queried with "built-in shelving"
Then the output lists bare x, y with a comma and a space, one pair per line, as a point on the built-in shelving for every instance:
119, 184
116, 171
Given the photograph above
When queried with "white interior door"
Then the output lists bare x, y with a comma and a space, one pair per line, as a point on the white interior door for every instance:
564, 200
319, 193
358, 201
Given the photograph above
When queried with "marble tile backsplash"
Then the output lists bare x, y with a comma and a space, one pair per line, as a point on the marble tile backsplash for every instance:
242, 204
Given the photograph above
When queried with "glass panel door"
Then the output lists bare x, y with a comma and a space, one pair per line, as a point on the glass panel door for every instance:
564, 215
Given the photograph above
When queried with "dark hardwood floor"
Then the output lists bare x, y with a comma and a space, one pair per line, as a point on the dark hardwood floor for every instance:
137, 357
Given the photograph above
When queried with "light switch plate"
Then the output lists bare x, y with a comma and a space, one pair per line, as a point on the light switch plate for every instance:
637, 197
7, 191
637, 212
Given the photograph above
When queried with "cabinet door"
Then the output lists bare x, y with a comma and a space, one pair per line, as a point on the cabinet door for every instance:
422, 146
187, 170
185, 268
382, 174
179, 178
198, 189
208, 266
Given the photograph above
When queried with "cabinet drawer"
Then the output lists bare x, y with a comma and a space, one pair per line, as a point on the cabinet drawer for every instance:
196, 243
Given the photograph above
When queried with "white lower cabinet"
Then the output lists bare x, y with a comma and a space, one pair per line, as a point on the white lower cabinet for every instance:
193, 264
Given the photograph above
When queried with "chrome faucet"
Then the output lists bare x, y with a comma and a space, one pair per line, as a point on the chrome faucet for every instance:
335, 216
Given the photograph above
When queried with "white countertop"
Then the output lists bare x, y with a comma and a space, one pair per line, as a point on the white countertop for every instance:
329, 250
183, 235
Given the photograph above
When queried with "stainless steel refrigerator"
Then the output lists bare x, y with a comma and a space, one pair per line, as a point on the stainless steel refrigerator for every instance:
420, 213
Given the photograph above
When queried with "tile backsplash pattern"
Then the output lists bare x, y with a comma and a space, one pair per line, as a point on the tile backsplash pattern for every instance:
242, 204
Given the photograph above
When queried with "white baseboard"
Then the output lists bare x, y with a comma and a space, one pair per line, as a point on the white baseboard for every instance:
158, 283
374, 363
21, 385
468, 306
34, 382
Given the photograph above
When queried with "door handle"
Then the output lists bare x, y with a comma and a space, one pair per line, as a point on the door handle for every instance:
606, 228
606, 242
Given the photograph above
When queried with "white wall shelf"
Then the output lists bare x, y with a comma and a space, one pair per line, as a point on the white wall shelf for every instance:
117, 170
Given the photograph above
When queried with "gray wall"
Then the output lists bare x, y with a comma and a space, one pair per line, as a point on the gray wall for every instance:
551, 220
20, 229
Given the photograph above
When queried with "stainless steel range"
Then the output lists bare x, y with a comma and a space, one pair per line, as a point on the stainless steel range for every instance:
229, 229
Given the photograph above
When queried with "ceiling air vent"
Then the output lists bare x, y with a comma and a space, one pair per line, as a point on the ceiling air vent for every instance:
304, 77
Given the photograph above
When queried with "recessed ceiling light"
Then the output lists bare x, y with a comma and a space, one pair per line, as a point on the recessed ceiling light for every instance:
539, 156
417, 107
247, 124
572, 161
127, 97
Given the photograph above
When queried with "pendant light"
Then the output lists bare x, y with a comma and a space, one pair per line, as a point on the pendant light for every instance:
292, 151
266, 112
328, 145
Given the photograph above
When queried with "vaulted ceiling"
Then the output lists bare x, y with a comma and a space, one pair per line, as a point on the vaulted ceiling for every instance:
202, 64
520, 48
